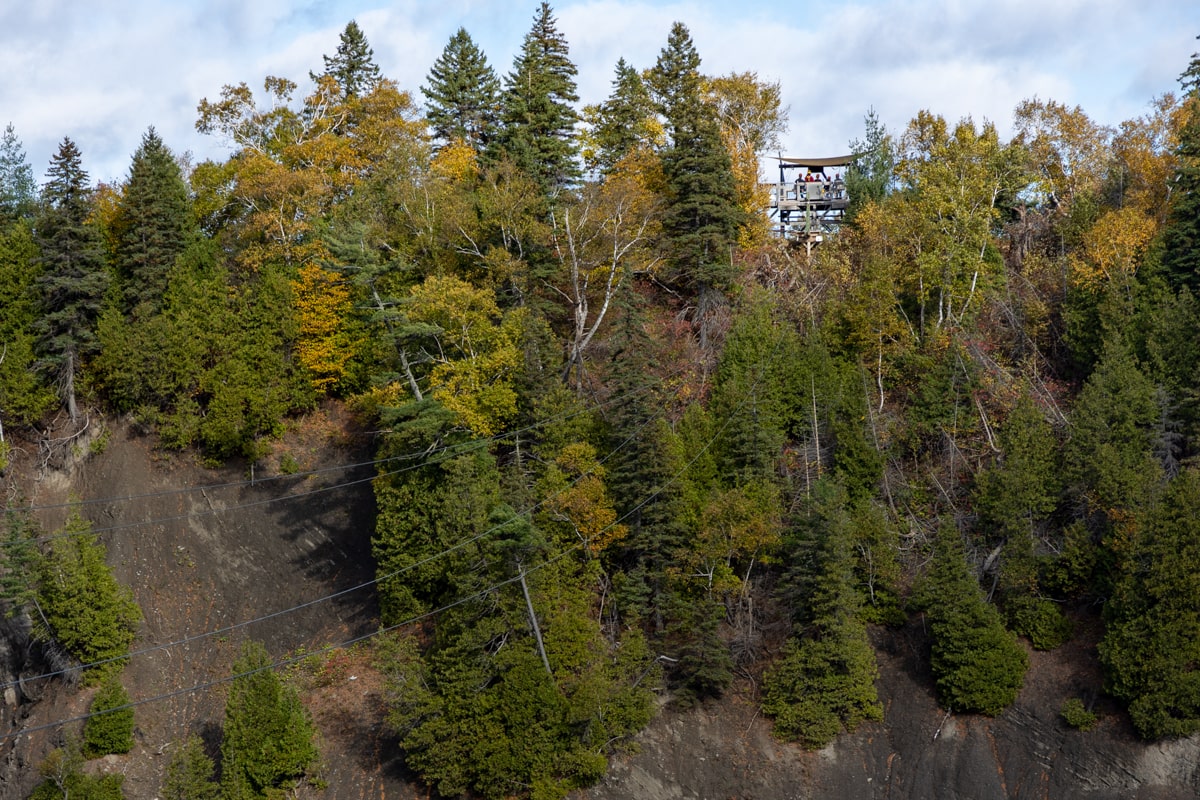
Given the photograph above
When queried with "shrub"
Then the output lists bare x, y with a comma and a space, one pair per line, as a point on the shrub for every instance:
109, 728
1075, 714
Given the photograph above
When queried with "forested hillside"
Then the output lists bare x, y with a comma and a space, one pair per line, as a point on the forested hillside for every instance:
630, 445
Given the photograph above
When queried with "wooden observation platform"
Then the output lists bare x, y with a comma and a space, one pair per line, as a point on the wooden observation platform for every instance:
810, 199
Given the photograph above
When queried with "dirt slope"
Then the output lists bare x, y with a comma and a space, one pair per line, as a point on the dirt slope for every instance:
202, 560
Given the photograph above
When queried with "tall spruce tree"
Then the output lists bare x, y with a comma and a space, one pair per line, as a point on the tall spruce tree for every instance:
18, 192
155, 223
353, 65
870, 173
73, 280
23, 396
1181, 238
977, 665
624, 121
702, 217
537, 130
825, 680
1151, 645
462, 94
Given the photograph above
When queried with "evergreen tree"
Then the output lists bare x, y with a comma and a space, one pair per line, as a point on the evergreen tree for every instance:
109, 726
977, 665
190, 773
702, 217
537, 130
825, 679
353, 66
1151, 646
1109, 460
23, 397
461, 94
73, 279
623, 122
1181, 237
20, 561
155, 223
749, 391
267, 745
870, 174
18, 192
88, 612
1014, 498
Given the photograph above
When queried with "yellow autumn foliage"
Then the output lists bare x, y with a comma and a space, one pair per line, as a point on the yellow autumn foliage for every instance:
1112, 246
322, 304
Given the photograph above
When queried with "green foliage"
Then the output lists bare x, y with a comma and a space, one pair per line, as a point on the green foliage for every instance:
536, 114
63, 777
18, 191
86, 610
21, 562
825, 680
623, 123
871, 173
23, 397
1151, 645
478, 713
461, 94
702, 217
977, 665
1023, 487
750, 391
109, 726
703, 665
1038, 619
154, 223
268, 737
423, 512
1108, 460
1181, 237
353, 66
215, 367
189, 773
1076, 714
73, 280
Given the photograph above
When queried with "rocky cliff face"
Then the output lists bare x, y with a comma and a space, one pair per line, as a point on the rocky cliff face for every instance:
726, 751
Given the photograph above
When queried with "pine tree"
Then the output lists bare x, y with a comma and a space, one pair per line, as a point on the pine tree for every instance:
702, 217
23, 397
109, 726
18, 192
623, 122
155, 223
537, 130
353, 66
73, 280
268, 736
190, 773
1181, 237
1151, 645
870, 173
461, 94
977, 665
825, 680
86, 610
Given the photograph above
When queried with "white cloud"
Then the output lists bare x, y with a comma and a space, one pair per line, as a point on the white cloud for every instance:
101, 71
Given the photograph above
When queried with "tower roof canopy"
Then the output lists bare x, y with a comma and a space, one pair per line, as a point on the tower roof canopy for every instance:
817, 163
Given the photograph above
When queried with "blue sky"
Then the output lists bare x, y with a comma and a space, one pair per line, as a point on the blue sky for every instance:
102, 71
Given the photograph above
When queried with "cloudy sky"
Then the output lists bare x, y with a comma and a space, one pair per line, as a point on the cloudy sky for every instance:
102, 71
